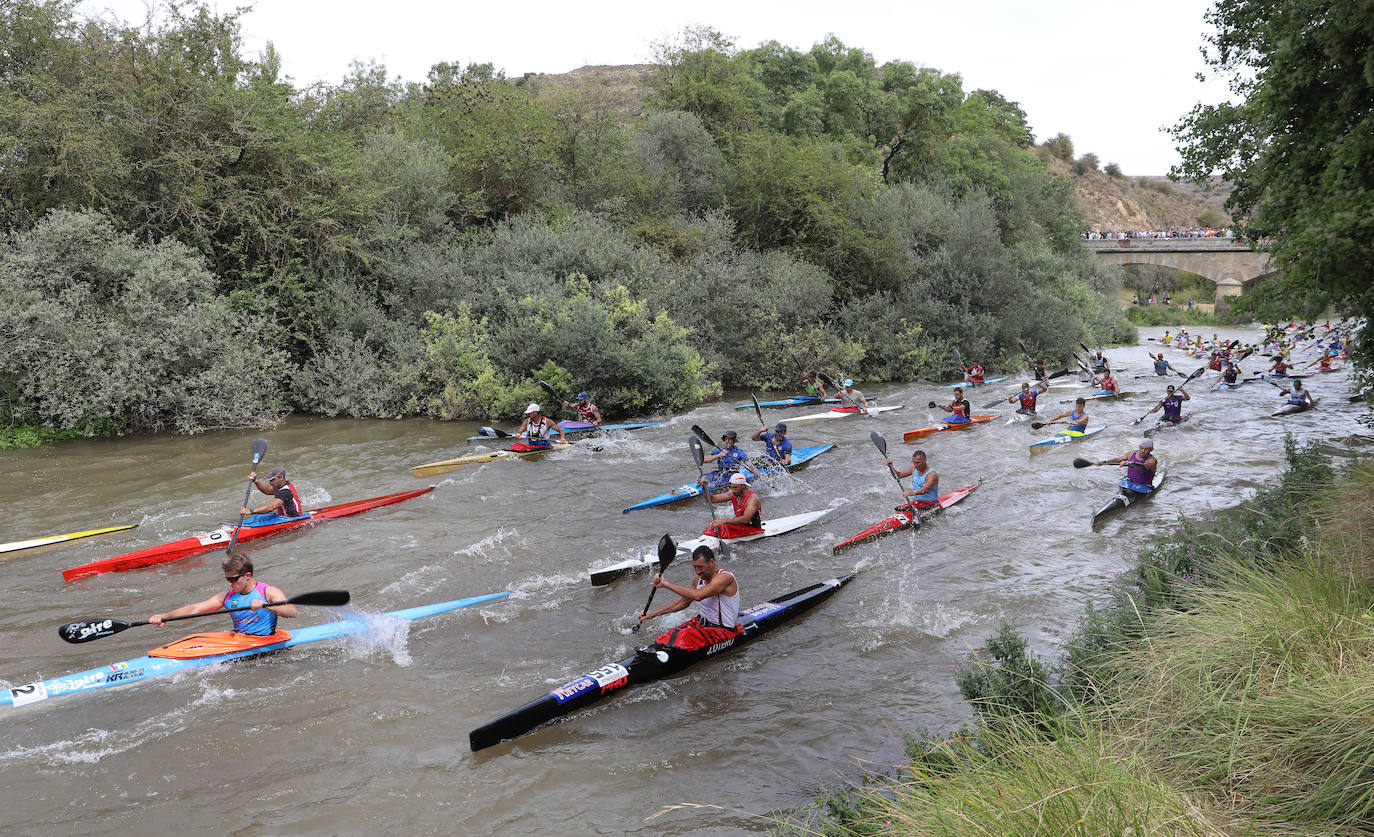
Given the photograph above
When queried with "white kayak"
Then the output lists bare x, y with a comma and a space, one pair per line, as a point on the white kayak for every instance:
838, 413
780, 526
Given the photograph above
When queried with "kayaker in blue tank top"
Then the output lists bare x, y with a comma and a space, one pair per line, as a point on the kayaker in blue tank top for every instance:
1162, 366
244, 591
1077, 417
925, 483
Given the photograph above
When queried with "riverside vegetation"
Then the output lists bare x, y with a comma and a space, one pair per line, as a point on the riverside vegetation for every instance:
1223, 687
190, 241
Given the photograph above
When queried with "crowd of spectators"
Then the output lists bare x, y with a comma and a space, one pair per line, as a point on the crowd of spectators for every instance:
1176, 232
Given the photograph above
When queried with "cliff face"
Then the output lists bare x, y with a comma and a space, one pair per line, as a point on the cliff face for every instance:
1144, 203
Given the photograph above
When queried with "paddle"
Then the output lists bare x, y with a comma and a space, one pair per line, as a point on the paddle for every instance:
704, 436
700, 456
1083, 463
963, 370
831, 382
758, 412
1196, 374
496, 433
259, 449
1036, 425
881, 444
553, 393
666, 553
86, 630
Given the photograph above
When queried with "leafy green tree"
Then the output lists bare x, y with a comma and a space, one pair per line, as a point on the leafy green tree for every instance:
681, 157
1298, 146
698, 74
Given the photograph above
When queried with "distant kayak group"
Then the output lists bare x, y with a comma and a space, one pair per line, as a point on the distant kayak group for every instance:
726, 478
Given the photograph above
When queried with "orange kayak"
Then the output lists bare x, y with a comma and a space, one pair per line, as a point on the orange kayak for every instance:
922, 432
215, 642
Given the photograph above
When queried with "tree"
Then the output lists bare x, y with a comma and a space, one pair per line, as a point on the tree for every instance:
1060, 146
1299, 147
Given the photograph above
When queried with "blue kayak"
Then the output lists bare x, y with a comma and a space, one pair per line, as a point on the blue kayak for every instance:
144, 668
973, 383
1066, 437
794, 401
800, 458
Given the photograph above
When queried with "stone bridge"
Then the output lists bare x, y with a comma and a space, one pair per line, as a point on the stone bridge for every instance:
1229, 262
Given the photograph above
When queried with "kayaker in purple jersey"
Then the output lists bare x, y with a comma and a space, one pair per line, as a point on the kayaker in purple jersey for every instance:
779, 449
585, 409
285, 501
537, 427
1028, 396
244, 591
1140, 465
1173, 404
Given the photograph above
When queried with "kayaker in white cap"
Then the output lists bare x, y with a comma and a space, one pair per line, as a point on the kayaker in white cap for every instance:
748, 508
852, 399
537, 427
285, 501
778, 447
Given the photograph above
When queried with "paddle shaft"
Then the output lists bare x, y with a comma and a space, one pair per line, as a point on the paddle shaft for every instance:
86, 630
259, 450
700, 456
666, 553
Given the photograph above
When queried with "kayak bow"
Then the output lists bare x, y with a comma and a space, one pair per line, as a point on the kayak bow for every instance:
645, 665
843, 413
922, 432
147, 667
481, 458
902, 517
1066, 437
219, 538
801, 457
51, 539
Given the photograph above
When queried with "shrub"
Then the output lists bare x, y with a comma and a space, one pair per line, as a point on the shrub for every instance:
1060, 146
1086, 163
1113, 170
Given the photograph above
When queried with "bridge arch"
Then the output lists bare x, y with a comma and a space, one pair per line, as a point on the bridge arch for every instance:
1228, 262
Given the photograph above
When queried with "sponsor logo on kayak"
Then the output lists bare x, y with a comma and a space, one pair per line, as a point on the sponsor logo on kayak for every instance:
720, 646
124, 674
607, 678
761, 610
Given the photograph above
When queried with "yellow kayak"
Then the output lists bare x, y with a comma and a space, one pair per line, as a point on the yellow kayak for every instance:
481, 458
70, 536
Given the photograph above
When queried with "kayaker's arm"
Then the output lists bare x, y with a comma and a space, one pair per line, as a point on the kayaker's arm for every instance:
212, 603
273, 596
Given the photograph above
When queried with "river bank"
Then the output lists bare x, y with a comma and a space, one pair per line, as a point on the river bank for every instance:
1222, 687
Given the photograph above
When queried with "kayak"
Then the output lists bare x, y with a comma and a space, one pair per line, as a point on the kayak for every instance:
1128, 492
1292, 409
489, 456
794, 401
645, 665
15, 546
1164, 425
922, 432
968, 383
158, 664
841, 412
1100, 395
219, 538
902, 517
1222, 385
1066, 437
771, 528
570, 428
801, 457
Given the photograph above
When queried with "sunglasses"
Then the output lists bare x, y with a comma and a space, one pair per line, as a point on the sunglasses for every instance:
232, 578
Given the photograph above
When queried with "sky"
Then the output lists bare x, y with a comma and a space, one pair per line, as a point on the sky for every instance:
1111, 75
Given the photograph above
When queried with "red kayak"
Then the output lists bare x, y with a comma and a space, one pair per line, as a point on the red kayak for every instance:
219, 538
901, 518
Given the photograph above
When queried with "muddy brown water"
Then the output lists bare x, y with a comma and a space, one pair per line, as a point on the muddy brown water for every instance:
371, 732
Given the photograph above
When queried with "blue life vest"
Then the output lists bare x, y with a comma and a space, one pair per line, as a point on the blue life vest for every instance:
261, 622
778, 451
1161, 367
733, 459
1076, 420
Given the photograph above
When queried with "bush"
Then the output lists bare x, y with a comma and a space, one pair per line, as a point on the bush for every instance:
1113, 170
1060, 146
107, 335
1086, 163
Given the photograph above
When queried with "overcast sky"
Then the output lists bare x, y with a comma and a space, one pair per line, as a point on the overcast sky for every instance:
1111, 75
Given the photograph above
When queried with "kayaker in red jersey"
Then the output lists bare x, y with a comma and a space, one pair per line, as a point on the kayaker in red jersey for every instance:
974, 374
1107, 382
958, 409
244, 591
585, 409
925, 483
1280, 367
285, 501
537, 427
748, 509
1028, 396
717, 593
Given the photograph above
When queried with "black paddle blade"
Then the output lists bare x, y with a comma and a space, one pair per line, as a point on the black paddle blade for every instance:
878, 442
1036, 425
1196, 374
697, 453
86, 630
551, 391
1080, 462
667, 551
931, 405
991, 404
1061, 373
831, 382
259, 450
322, 598
704, 436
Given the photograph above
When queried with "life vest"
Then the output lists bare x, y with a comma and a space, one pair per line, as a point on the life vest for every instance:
740, 503
731, 460
262, 622
1027, 399
975, 374
538, 433
1161, 367
960, 408
1136, 471
1076, 420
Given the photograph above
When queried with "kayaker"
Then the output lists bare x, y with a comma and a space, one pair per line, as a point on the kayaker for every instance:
285, 501
778, 447
1027, 397
244, 591
1162, 366
852, 398
1038, 372
1077, 418
974, 374
536, 428
1100, 364
585, 409
1107, 382
1173, 404
1299, 396
958, 409
1229, 372
729, 459
1140, 466
1280, 367
748, 509
925, 483
812, 386
1324, 360
717, 593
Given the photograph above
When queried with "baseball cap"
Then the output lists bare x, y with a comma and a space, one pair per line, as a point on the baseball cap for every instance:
849, 382
738, 479
780, 428
1147, 444
276, 472
532, 408
582, 396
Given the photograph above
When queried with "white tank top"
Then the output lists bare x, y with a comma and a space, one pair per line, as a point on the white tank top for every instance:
720, 610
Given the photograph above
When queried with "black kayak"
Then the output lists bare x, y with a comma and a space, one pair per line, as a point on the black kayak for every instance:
1125, 495
645, 665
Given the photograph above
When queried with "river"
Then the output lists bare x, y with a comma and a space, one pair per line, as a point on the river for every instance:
371, 732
